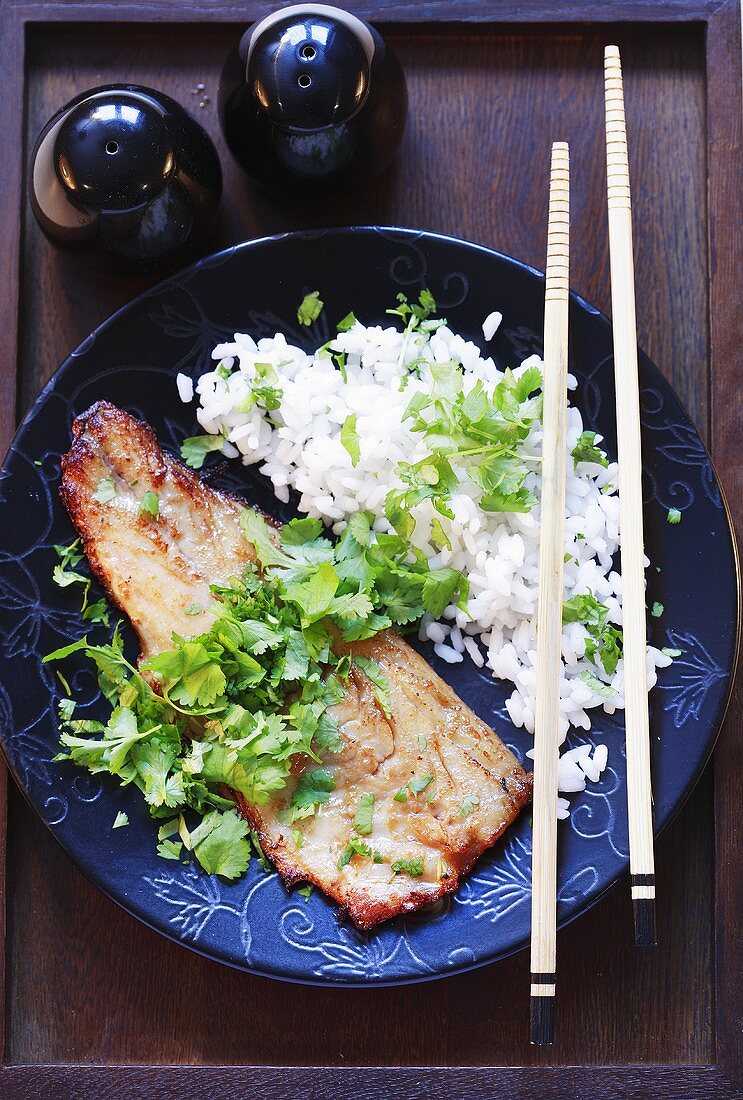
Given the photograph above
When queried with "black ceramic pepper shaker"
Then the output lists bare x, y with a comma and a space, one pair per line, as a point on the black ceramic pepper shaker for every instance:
312, 100
127, 167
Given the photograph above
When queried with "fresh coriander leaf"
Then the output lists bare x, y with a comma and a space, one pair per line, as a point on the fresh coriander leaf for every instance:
357, 847
65, 577
150, 505
314, 597
657, 610
585, 450
170, 849
97, 612
350, 438
195, 449
191, 674
225, 851
439, 590
674, 516
439, 537
313, 789
417, 786
306, 891
413, 867
363, 818
597, 686
398, 516
310, 308
427, 302
263, 861
257, 532
69, 556
380, 681
469, 805
106, 490
120, 820
346, 323
66, 650
297, 532
66, 708
168, 829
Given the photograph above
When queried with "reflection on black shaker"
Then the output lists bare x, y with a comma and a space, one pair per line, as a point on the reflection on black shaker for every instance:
126, 166
312, 100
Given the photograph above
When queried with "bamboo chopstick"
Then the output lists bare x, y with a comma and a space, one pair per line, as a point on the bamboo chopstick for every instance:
639, 793
549, 611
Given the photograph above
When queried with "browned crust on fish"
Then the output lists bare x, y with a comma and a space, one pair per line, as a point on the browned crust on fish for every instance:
364, 912
105, 431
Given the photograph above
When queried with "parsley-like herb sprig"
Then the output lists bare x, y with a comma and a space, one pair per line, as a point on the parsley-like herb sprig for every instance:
229, 709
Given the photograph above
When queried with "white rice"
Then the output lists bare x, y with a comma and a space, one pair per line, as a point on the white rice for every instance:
298, 447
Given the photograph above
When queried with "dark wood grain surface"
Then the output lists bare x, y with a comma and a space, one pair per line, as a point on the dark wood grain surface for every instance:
86, 983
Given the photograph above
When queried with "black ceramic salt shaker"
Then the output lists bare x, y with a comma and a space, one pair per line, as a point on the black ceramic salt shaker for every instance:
126, 167
312, 100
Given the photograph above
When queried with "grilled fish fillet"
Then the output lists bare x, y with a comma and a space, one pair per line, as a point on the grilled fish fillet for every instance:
469, 785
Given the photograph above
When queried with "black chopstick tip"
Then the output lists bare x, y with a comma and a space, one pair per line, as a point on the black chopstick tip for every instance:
643, 910
542, 1020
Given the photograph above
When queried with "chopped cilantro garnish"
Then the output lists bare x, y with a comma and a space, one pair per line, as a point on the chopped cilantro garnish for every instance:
120, 820
657, 610
363, 818
224, 850
470, 803
380, 681
604, 639
306, 891
417, 786
674, 516
346, 323
585, 450
193, 609
402, 795
357, 847
350, 438
312, 790
106, 490
195, 449
298, 838
605, 691
234, 706
478, 429
170, 849
150, 505
310, 308
413, 867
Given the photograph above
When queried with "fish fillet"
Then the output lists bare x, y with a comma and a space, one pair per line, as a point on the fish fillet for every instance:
458, 786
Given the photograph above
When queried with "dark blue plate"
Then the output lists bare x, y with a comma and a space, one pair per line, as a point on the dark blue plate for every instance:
255, 924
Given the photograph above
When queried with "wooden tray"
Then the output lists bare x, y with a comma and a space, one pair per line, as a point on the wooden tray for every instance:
98, 1006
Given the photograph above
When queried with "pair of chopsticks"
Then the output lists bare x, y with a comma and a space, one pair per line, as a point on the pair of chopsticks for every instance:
552, 548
